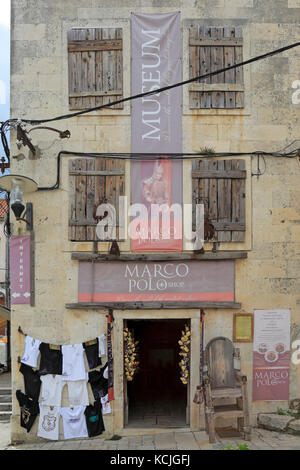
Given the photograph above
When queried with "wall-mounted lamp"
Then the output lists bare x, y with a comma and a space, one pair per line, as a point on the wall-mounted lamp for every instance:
17, 185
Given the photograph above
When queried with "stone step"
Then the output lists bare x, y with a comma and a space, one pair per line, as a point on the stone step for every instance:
5, 390
5, 415
5, 398
5, 406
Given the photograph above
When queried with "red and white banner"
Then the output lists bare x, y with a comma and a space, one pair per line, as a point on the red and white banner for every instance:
271, 355
156, 123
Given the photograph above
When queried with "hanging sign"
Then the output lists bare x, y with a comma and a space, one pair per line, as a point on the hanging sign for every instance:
271, 355
20, 269
156, 128
119, 281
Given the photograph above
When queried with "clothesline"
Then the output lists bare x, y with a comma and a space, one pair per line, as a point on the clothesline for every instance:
60, 344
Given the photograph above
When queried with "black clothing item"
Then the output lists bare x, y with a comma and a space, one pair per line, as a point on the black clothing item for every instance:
92, 353
51, 359
98, 383
94, 420
29, 410
32, 381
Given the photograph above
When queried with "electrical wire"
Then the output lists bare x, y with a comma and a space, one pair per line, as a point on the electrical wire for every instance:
160, 90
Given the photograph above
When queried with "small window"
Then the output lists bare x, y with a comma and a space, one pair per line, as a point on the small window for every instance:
95, 67
220, 186
211, 49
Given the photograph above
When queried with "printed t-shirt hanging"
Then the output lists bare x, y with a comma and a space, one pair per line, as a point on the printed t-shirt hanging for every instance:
74, 422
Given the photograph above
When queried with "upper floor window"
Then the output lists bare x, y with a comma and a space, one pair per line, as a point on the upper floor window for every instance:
211, 49
95, 67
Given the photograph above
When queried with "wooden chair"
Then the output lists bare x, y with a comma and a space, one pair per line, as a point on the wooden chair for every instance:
224, 380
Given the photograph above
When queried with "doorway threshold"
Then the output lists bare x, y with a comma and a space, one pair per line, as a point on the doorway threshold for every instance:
134, 431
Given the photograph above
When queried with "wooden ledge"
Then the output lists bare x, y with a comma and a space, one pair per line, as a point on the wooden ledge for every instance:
222, 255
153, 305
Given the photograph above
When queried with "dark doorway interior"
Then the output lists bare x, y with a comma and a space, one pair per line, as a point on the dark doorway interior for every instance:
157, 396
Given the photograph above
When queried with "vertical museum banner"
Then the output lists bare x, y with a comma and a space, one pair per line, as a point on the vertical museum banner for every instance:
156, 123
20, 269
271, 355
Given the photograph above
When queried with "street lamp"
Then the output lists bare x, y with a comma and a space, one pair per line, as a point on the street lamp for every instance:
18, 185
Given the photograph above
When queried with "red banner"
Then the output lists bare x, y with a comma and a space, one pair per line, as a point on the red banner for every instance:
271, 355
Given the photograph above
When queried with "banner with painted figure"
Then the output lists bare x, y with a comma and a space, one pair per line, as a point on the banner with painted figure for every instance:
156, 123
271, 355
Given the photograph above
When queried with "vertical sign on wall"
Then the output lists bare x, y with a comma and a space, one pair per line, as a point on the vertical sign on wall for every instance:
20, 269
271, 355
156, 125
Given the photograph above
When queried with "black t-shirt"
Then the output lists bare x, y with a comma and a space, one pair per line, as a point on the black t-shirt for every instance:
51, 359
29, 410
98, 383
94, 420
92, 353
32, 381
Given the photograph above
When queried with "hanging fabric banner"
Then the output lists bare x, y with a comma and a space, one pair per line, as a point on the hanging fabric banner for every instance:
271, 355
20, 269
156, 125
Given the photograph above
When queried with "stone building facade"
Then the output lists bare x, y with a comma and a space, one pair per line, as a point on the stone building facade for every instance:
266, 277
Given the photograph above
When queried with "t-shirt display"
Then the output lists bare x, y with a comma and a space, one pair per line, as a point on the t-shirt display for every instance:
60, 366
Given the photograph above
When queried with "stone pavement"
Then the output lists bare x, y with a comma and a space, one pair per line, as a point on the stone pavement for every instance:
173, 440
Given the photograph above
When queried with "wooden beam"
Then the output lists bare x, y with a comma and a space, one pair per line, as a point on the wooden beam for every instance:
86, 94
214, 174
95, 45
216, 87
118, 172
204, 42
152, 305
222, 255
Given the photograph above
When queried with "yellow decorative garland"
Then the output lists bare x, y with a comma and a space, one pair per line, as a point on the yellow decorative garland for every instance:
130, 355
184, 364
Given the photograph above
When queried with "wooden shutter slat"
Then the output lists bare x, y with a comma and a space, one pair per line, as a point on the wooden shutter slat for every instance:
95, 45
217, 63
238, 201
230, 74
239, 78
80, 203
224, 202
224, 173
216, 42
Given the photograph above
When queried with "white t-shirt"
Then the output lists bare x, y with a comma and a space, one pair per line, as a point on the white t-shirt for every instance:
102, 345
73, 362
48, 426
78, 392
51, 390
31, 353
74, 422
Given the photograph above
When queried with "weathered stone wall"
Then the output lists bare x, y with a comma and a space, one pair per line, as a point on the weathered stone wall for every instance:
270, 277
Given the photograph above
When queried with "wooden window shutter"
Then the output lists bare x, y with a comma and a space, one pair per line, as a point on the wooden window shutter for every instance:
211, 49
95, 67
220, 186
93, 181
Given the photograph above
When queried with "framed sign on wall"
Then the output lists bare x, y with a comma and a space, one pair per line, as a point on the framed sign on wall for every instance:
243, 327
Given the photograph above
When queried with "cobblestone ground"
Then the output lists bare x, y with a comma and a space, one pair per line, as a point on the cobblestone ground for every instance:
261, 440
